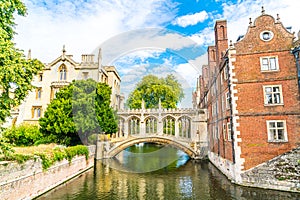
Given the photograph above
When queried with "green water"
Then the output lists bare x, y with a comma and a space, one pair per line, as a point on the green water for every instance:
131, 176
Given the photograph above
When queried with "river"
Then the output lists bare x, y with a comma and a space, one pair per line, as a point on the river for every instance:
150, 171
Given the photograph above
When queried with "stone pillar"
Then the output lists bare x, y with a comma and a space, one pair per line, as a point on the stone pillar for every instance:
142, 128
160, 127
126, 129
176, 128
99, 150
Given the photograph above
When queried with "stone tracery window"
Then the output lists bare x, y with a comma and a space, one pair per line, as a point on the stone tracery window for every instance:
62, 73
169, 125
184, 123
134, 126
151, 125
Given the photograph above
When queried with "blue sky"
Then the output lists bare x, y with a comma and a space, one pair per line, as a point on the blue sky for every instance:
141, 37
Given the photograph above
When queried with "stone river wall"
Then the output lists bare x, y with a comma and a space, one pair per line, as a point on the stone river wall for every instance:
29, 180
280, 173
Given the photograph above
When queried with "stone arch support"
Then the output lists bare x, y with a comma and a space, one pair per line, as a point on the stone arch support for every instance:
183, 146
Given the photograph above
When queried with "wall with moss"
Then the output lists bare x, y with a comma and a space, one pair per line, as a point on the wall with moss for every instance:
281, 173
30, 179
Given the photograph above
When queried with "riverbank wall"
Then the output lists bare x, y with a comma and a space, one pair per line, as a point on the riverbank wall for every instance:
280, 173
29, 180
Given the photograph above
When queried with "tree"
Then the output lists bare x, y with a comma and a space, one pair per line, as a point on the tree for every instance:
58, 125
7, 11
105, 114
16, 72
80, 109
151, 89
83, 105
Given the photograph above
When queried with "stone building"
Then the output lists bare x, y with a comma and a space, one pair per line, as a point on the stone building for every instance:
251, 91
59, 73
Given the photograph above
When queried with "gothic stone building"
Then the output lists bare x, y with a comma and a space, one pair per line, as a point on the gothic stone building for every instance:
251, 91
59, 73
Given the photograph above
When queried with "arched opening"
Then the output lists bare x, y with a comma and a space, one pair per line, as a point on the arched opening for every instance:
151, 125
134, 126
184, 123
155, 139
169, 125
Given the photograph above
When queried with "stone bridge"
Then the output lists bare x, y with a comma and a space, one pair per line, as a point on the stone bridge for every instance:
184, 129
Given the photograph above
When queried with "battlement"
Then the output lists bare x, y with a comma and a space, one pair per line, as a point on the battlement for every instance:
161, 111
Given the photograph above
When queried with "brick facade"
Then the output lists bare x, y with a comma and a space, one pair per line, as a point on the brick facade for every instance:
252, 96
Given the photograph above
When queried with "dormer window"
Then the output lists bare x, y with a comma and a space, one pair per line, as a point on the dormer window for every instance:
62, 73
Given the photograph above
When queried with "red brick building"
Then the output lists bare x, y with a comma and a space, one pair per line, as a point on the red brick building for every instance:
252, 96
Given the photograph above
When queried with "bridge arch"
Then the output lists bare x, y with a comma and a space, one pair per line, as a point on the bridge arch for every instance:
154, 139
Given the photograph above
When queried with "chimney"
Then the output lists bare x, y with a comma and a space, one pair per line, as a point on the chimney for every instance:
220, 39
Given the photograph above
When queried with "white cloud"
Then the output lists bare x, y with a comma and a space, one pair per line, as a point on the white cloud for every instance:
204, 37
149, 39
83, 25
237, 16
192, 19
238, 21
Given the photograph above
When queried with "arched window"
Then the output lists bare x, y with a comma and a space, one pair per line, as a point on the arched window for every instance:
134, 126
184, 127
151, 125
222, 32
63, 73
169, 125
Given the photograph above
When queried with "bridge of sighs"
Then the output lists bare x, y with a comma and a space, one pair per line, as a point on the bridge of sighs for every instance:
184, 129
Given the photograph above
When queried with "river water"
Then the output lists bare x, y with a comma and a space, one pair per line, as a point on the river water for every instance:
150, 171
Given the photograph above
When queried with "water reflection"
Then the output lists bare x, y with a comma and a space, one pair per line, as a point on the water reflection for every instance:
147, 157
190, 180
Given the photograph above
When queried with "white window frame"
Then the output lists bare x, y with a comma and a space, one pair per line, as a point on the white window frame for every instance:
276, 129
224, 131
228, 131
272, 93
266, 67
227, 96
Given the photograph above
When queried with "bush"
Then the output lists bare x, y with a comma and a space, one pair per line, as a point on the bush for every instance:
5, 148
23, 135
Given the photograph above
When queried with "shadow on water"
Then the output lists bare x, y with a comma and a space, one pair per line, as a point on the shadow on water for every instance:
182, 179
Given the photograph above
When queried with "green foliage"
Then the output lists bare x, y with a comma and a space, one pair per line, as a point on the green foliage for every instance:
60, 154
151, 89
46, 160
7, 11
80, 109
23, 135
105, 114
16, 72
5, 148
20, 158
76, 150
84, 114
57, 125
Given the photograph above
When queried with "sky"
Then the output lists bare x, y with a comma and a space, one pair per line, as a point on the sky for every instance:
141, 37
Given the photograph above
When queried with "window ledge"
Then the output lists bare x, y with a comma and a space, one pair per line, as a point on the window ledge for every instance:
277, 104
269, 71
277, 141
